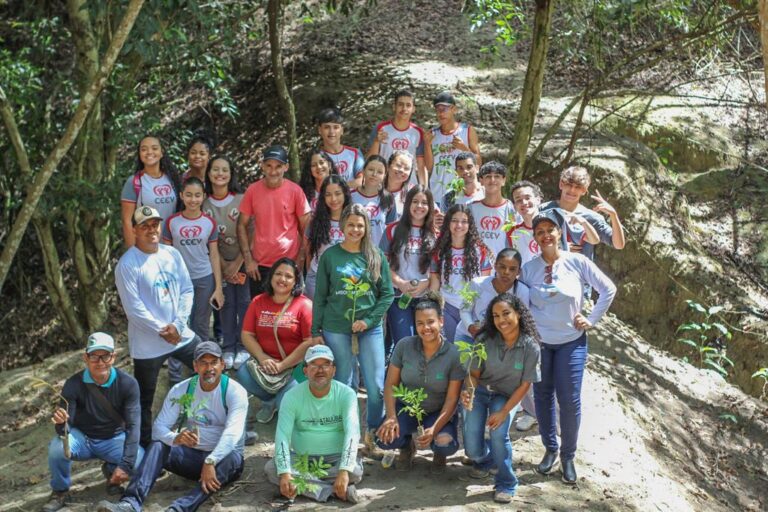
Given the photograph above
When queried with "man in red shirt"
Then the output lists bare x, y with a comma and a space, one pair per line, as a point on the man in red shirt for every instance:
280, 212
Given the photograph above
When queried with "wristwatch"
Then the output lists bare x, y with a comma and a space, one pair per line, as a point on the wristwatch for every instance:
210, 460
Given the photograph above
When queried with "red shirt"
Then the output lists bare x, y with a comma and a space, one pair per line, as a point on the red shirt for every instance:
295, 325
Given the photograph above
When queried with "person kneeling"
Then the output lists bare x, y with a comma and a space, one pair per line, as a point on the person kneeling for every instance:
209, 449
319, 419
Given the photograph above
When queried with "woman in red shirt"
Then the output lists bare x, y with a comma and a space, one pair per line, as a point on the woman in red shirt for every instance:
276, 332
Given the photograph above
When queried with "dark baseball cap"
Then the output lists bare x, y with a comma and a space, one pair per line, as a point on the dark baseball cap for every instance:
550, 215
276, 153
444, 98
207, 347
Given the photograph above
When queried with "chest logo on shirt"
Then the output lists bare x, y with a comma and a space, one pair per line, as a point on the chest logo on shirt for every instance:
342, 167
221, 228
439, 376
234, 213
490, 223
414, 245
190, 235
533, 247
164, 282
162, 190
336, 234
458, 261
373, 211
400, 144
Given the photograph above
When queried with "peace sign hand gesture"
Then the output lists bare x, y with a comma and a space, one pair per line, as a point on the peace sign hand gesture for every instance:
602, 205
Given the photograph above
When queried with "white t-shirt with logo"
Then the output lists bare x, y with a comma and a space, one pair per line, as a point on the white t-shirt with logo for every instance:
444, 159
225, 212
155, 192
409, 255
336, 237
191, 237
349, 162
450, 290
376, 214
489, 221
411, 140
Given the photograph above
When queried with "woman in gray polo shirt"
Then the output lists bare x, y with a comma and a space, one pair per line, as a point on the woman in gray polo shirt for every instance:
501, 381
430, 362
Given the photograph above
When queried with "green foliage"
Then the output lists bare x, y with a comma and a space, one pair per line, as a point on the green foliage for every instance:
456, 184
762, 373
468, 296
468, 352
507, 19
308, 470
189, 410
354, 290
412, 400
708, 338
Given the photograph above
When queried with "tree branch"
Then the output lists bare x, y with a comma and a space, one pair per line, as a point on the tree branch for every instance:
13, 133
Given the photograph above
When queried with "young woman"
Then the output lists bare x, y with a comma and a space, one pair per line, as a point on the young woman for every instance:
276, 332
198, 155
372, 195
398, 180
222, 205
324, 229
353, 291
408, 245
557, 279
500, 383
424, 361
460, 256
155, 183
317, 167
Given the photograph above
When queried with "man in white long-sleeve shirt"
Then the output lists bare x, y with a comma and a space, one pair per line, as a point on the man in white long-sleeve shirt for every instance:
208, 447
156, 292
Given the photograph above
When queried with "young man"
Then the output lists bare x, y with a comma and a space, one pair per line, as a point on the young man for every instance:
444, 142
318, 417
348, 161
156, 292
466, 169
280, 212
103, 415
574, 184
493, 211
400, 133
209, 446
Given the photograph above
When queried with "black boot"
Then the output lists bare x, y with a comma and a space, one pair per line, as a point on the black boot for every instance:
545, 466
569, 472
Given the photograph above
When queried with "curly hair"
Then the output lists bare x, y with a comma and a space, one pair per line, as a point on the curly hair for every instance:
166, 164
319, 231
527, 324
472, 242
307, 181
403, 231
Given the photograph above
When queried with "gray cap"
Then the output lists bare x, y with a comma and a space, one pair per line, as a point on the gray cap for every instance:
318, 352
207, 347
100, 341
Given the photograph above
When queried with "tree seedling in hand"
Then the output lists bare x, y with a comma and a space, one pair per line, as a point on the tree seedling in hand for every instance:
468, 296
189, 411
40, 383
468, 354
355, 288
308, 470
412, 400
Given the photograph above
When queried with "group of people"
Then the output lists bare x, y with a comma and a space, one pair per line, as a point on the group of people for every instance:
403, 273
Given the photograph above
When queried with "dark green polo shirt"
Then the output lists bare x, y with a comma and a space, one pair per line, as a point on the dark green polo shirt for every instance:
507, 367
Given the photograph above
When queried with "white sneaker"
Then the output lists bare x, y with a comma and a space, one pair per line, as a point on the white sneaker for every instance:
240, 359
229, 359
525, 423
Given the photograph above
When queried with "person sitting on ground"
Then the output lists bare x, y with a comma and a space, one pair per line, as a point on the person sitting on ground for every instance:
318, 418
103, 414
209, 445
425, 361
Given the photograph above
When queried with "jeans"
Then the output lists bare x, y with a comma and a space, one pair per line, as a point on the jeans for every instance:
145, 371
323, 486
450, 322
183, 461
371, 360
200, 317
496, 451
243, 376
408, 426
236, 300
562, 371
400, 323
84, 448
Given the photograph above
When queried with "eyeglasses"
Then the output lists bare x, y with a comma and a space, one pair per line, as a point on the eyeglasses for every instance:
315, 367
95, 358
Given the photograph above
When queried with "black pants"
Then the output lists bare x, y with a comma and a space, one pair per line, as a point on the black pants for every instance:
257, 287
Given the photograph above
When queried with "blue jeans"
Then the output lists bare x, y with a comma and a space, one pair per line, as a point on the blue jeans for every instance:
562, 370
243, 376
400, 323
371, 360
84, 448
183, 461
200, 316
408, 427
497, 451
236, 300
451, 320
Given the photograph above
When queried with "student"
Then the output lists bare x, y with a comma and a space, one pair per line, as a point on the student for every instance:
198, 154
317, 167
430, 362
155, 184
501, 381
400, 133
443, 143
348, 161
397, 182
372, 195
466, 169
493, 211
459, 256
324, 229
196, 236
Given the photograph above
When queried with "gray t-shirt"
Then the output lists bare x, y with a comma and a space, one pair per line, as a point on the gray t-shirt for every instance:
507, 368
433, 375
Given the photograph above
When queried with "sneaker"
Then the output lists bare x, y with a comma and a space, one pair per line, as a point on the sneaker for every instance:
266, 412
229, 360
251, 437
112, 489
525, 423
479, 473
371, 448
502, 497
240, 359
352, 496
405, 457
107, 506
57, 501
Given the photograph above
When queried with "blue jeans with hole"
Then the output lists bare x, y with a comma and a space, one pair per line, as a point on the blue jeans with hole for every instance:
371, 360
562, 372
496, 451
408, 426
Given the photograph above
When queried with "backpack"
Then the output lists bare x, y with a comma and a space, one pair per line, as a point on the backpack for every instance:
223, 384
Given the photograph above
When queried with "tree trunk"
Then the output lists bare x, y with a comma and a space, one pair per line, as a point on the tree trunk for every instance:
534, 78
87, 101
275, 12
762, 12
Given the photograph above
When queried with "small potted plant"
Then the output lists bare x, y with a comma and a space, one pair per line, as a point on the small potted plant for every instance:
189, 413
412, 400
308, 470
469, 353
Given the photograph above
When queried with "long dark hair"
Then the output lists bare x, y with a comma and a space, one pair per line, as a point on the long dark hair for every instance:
385, 196
234, 184
306, 181
403, 231
395, 154
472, 242
527, 324
320, 226
166, 165
298, 285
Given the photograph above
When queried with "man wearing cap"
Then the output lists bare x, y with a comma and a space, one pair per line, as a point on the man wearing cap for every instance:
103, 414
443, 143
318, 418
202, 441
156, 292
280, 212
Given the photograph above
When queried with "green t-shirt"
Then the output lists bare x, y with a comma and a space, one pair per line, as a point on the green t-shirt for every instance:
317, 426
338, 273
